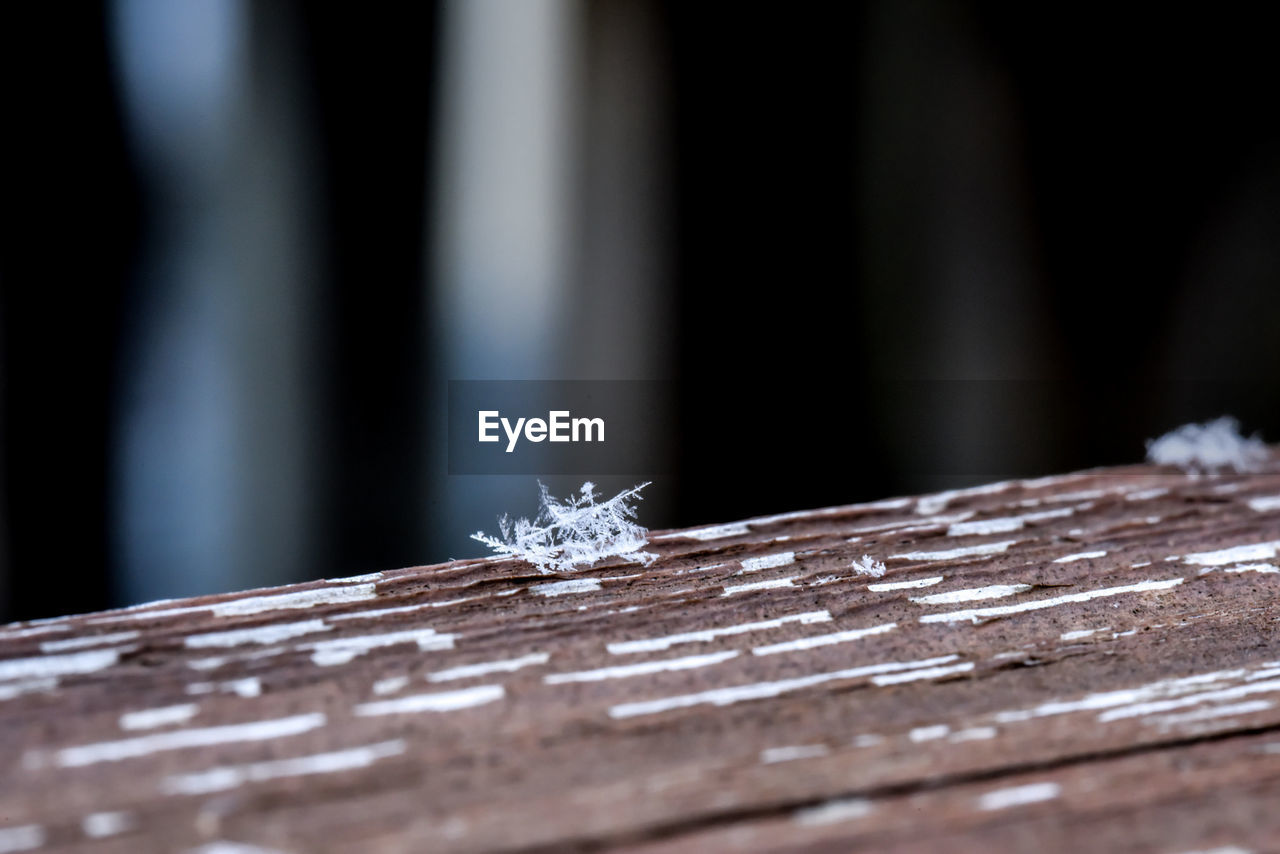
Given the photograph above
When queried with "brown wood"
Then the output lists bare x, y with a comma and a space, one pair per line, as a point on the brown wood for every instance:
1136, 708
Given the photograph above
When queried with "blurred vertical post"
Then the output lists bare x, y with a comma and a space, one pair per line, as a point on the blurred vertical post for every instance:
211, 486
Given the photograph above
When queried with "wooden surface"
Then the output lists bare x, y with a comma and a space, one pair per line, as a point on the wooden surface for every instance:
1118, 689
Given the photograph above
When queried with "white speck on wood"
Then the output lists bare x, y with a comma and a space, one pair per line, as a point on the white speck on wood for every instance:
1235, 554
99, 825
130, 748
972, 594
657, 644
771, 755
508, 665
562, 588
717, 532
976, 614
1265, 504
233, 776
26, 837
928, 733
87, 641
956, 554
1072, 558
755, 564
258, 634
158, 717
832, 812
733, 589
329, 653
926, 673
1016, 796
823, 640
52, 666
690, 662
904, 585
444, 701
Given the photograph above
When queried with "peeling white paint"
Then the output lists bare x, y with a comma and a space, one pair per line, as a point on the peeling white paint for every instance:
1017, 796
976, 614
250, 686
258, 634
329, 653
158, 717
956, 554
1235, 554
130, 748
1265, 504
972, 594
53, 666
508, 665
390, 685
562, 588
928, 733
1005, 524
762, 690
787, 754
1246, 708
444, 701
661, 643
1155, 706
978, 733
833, 812
928, 505
1081, 633
926, 673
755, 564
99, 825
904, 585
690, 662
1081, 556
716, 532
66, 644
823, 640
734, 589
404, 609
25, 837
233, 776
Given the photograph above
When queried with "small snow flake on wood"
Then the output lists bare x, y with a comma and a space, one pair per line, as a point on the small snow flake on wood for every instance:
867, 565
573, 533
1209, 447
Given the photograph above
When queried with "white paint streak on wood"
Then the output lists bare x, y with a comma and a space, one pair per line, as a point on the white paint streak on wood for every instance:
1155, 706
31, 631
224, 847
1246, 708
329, 653
928, 505
1079, 634
978, 733
704, 635
904, 585
787, 754
977, 614
755, 564
53, 666
130, 748
10, 690
1265, 504
917, 675
562, 588
403, 609
274, 633
508, 665
823, 640
734, 589
690, 662
390, 685
1124, 696
832, 812
1072, 558
928, 733
717, 532
250, 686
260, 604
912, 524
1004, 524
1017, 796
1235, 554
443, 701
100, 825
233, 776
24, 837
956, 554
158, 717
763, 690
971, 594
87, 641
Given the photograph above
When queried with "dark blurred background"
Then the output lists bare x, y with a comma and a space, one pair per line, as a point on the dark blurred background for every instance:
876, 249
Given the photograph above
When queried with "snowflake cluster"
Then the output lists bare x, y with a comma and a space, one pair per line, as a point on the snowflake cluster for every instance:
1208, 447
869, 566
575, 532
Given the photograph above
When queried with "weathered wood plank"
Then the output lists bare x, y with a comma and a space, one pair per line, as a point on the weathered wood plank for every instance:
1086, 661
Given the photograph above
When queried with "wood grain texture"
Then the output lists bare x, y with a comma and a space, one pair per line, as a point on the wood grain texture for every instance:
1085, 662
